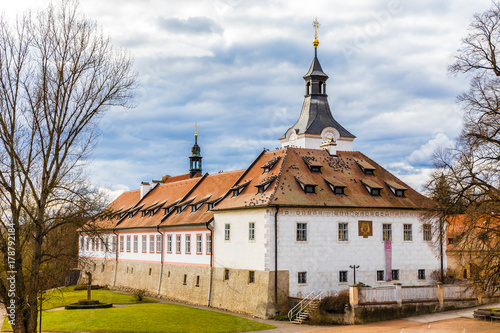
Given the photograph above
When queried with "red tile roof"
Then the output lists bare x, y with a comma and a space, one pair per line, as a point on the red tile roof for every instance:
283, 185
341, 169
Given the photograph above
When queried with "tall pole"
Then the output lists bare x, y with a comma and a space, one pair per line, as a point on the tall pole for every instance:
354, 267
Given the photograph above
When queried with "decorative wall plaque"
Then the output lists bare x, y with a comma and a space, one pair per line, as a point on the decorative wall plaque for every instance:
365, 228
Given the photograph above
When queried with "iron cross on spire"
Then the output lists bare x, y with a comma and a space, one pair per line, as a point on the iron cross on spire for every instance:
316, 25
195, 129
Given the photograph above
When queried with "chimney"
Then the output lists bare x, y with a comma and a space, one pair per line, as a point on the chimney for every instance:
155, 183
144, 189
330, 146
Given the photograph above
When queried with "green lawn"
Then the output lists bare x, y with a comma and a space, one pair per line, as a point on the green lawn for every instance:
133, 318
64, 296
147, 318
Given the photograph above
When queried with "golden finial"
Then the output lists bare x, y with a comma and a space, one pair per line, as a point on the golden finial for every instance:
316, 25
195, 130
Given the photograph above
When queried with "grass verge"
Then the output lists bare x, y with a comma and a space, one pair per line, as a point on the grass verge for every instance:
147, 318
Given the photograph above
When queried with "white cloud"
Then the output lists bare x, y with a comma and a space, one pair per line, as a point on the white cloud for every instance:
240, 78
423, 156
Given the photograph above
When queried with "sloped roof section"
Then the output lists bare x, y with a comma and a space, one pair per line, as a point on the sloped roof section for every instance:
169, 193
211, 186
110, 216
316, 116
341, 170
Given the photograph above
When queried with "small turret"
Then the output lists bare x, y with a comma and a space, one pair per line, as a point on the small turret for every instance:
195, 158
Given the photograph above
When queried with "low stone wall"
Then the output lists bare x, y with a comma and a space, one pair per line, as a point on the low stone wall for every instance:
191, 284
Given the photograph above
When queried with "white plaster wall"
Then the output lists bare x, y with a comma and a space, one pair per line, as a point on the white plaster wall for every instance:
193, 258
239, 252
313, 142
322, 256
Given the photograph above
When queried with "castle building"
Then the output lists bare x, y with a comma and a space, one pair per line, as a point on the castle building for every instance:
307, 218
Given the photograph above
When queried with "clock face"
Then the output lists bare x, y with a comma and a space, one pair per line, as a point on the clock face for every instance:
329, 136
293, 137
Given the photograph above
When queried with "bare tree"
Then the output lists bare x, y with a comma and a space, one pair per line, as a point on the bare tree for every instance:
471, 170
58, 74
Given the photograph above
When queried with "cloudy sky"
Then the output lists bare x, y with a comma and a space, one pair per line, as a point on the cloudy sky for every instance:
235, 67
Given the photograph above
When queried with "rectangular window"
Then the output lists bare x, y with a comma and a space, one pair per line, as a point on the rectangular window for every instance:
114, 244
395, 274
136, 243
199, 245
387, 232
251, 277
178, 244
343, 232
88, 244
302, 277
227, 231
151, 244
407, 232
226, 274
144, 243
301, 232
380, 275
421, 274
169, 243
82, 242
197, 280
343, 276
158, 243
188, 244
209, 244
427, 233
251, 231
128, 243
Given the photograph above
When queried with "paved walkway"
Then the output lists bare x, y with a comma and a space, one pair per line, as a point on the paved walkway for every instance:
459, 321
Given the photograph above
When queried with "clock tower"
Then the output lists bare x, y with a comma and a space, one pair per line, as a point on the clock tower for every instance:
316, 127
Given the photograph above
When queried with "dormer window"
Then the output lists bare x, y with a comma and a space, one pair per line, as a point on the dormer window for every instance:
193, 208
396, 189
130, 215
144, 212
210, 206
179, 209
151, 213
372, 187
337, 187
307, 185
237, 189
309, 188
270, 164
265, 184
366, 167
165, 211
313, 165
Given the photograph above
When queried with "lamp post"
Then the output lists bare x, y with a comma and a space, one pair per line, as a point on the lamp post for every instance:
354, 267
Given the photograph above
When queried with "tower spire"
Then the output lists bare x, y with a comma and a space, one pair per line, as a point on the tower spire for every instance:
195, 158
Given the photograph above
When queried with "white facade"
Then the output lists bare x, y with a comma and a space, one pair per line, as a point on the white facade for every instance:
313, 141
147, 246
323, 256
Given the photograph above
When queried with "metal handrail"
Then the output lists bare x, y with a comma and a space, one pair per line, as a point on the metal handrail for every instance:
302, 305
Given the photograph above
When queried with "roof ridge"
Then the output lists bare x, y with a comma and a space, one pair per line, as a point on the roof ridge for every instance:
278, 179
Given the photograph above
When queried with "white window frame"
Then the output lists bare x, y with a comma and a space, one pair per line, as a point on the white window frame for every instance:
343, 233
